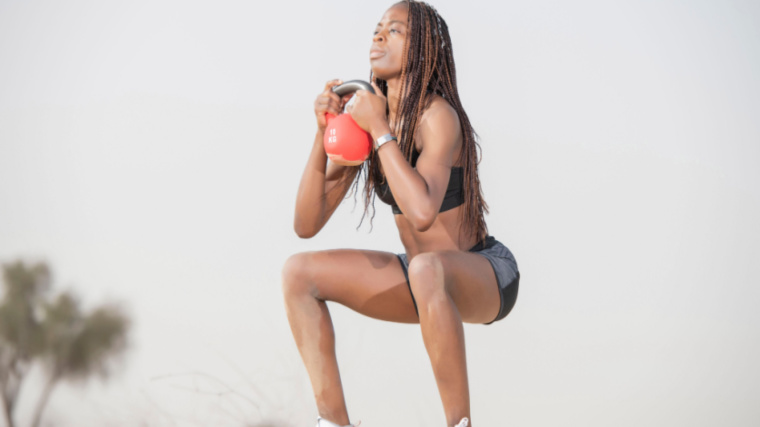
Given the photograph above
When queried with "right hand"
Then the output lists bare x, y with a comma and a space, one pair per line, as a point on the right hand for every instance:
329, 102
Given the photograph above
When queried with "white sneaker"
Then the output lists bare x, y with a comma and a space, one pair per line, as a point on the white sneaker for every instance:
321, 422
464, 423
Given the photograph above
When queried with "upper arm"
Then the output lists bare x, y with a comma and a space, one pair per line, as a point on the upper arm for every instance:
440, 135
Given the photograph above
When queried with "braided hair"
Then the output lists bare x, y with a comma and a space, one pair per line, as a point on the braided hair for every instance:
428, 70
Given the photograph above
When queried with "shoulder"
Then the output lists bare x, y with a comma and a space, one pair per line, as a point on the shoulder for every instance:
439, 122
440, 112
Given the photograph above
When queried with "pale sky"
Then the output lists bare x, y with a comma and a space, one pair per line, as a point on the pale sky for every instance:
150, 153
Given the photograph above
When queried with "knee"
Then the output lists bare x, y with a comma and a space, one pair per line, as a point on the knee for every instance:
427, 277
295, 275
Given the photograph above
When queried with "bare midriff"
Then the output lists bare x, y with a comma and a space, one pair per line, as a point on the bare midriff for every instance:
443, 235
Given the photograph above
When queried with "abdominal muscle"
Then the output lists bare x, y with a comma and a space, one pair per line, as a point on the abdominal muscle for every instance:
443, 235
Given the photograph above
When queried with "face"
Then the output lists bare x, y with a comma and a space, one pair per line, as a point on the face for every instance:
387, 50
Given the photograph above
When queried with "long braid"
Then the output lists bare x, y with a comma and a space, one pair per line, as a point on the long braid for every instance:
427, 70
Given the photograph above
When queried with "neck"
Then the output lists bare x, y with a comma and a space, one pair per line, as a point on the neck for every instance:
394, 93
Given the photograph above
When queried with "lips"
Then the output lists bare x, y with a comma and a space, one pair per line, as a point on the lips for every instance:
376, 53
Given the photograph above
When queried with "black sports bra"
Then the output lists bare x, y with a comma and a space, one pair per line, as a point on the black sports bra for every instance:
454, 195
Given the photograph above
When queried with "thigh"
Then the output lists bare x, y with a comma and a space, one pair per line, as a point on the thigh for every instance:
369, 282
471, 282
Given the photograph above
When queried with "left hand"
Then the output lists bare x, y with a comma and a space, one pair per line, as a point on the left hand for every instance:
368, 109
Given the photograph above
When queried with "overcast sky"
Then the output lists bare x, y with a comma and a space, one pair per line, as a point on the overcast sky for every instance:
150, 152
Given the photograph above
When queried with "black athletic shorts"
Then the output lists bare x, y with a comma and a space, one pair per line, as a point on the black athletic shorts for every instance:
504, 266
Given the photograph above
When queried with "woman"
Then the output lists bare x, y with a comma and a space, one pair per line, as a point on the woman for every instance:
451, 271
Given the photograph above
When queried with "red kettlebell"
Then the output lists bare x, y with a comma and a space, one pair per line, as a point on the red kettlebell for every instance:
345, 142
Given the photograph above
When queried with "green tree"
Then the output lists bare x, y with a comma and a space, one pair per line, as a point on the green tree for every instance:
69, 343
21, 336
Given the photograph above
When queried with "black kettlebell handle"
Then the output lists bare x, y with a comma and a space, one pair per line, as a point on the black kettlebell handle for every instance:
352, 86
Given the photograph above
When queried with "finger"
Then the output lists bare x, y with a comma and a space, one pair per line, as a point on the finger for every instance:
329, 95
329, 85
334, 107
324, 102
346, 98
351, 102
327, 105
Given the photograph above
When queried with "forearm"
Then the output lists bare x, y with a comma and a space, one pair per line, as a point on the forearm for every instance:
310, 200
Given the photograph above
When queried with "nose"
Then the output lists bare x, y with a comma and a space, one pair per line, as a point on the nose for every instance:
378, 37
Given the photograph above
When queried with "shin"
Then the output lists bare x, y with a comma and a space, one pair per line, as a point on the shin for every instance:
313, 332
